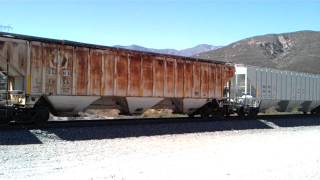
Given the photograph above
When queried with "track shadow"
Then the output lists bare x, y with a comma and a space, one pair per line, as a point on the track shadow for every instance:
151, 129
18, 137
111, 131
293, 121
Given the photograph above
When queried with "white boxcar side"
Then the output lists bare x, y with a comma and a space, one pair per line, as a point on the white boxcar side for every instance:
284, 91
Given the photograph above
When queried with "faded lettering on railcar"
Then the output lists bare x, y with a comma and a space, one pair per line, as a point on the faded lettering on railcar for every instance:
65, 70
50, 56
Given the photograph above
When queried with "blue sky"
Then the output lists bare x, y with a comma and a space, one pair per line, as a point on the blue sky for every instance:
158, 24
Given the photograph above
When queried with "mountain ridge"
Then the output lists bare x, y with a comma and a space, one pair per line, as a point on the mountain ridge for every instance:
295, 51
183, 52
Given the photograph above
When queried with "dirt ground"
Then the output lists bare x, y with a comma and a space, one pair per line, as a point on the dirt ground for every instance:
261, 149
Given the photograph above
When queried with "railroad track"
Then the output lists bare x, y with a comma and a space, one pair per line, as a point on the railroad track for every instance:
141, 121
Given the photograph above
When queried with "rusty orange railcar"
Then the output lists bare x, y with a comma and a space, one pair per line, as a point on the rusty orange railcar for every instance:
69, 77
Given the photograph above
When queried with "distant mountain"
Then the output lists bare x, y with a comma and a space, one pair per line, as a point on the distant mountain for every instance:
296, 51
184, 52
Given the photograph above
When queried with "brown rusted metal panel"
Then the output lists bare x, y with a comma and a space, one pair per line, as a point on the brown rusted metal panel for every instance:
204, 80
170, 77
65, 68
231, 72
121, 75
147, 75
50, 59
212, 78
135, 83
17, 51
224, 78
81, 70
36, 68
196, 79
108, 84
218, 81
159, 77
179, 77
188, 78
72, 69
95, 72
58, 69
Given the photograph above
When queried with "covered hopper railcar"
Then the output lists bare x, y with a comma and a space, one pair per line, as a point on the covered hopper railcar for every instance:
273, 90
39, 75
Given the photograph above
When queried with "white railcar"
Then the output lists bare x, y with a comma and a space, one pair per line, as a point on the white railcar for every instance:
279, 90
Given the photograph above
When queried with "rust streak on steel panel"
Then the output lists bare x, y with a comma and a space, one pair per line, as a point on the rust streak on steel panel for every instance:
95, 72
141, 76
121, 75
159, 77
66, 56
154, 77
204, 80
82, 70
169, 81
196, 79
188, 73
212, 81
88, 85
128, 71
109, 59
17, 50
219, 78
28, 75
216, 74
103, 75
36, 68
165, 78
74, 77
135, 75
223, 79
50, 59
147, 76
179, 78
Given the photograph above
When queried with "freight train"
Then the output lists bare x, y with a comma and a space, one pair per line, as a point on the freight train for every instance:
39, 76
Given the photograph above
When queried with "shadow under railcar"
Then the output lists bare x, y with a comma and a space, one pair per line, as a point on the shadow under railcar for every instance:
114, 130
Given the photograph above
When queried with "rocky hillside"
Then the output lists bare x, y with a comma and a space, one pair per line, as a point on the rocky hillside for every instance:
184, 52
296, 51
